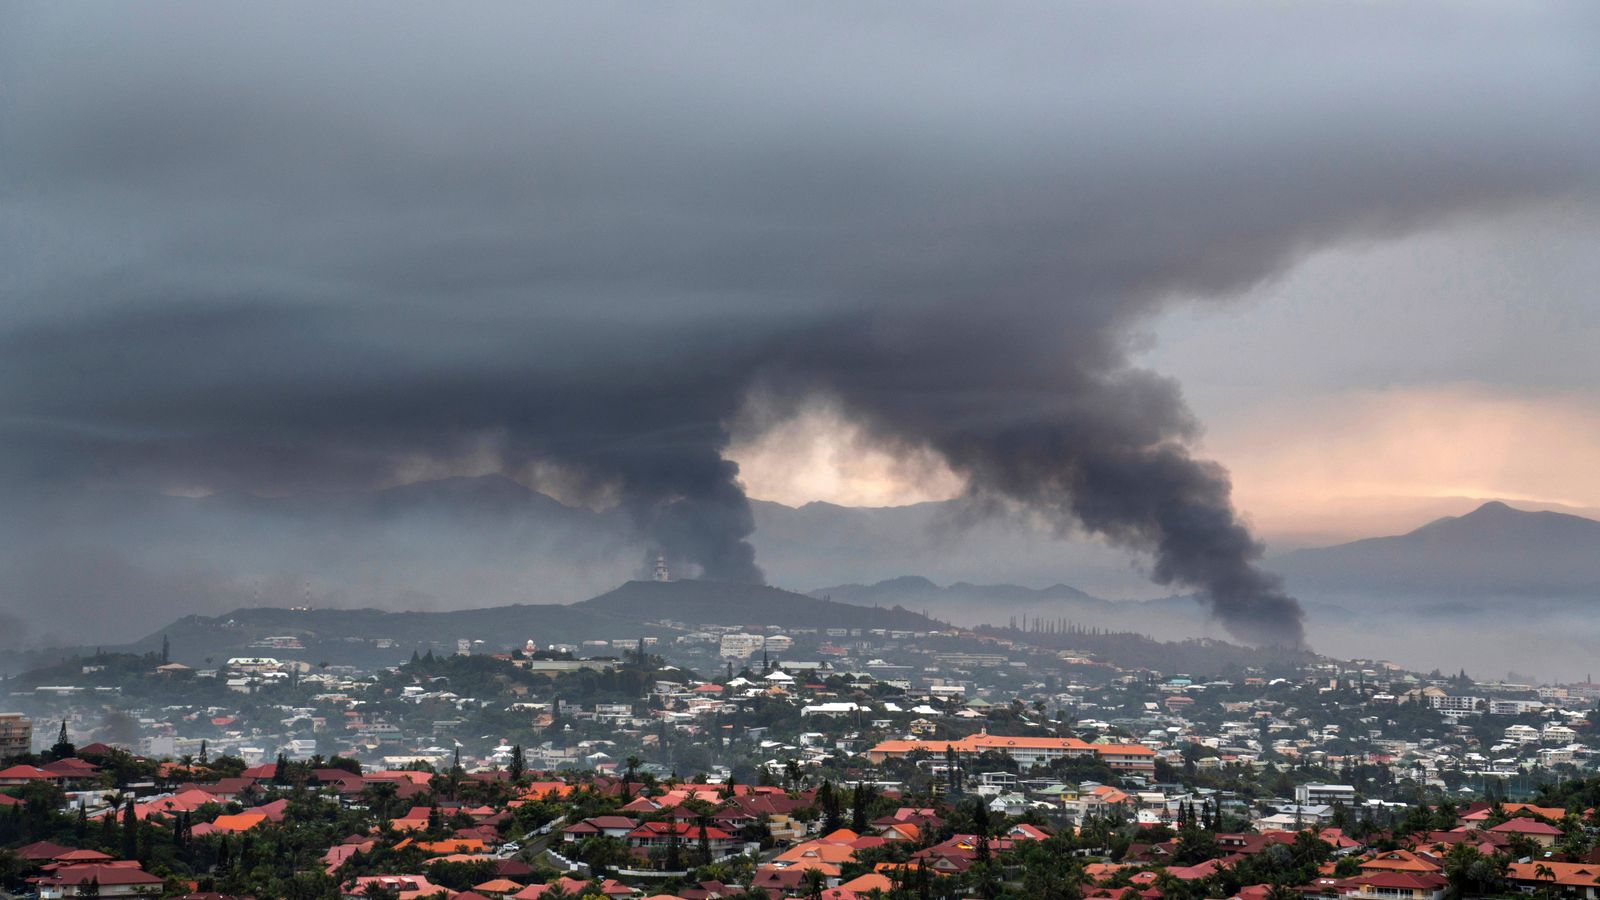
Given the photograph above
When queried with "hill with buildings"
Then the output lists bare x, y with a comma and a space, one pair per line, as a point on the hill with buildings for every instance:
694, 602
378, 637
381, 637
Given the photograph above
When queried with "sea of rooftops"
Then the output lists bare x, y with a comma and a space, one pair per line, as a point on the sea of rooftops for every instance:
832, 766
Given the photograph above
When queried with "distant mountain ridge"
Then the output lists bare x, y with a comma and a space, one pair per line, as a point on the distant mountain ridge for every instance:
967, 604
488, 541
710, 602
910, 590
463, 542
1495, 550
1012, 592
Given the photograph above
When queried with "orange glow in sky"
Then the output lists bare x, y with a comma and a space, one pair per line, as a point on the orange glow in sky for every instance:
1319, 469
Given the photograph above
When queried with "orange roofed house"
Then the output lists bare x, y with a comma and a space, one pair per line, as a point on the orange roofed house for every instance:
1581, 880
1026, 751
1399, 861
1393, 885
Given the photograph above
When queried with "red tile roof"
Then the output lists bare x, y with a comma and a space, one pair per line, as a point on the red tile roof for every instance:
41, 850
1526, 826
104, 875
32, 773
1426, 881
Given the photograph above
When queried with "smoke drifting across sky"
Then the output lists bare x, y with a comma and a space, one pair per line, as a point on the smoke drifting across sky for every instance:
284, 247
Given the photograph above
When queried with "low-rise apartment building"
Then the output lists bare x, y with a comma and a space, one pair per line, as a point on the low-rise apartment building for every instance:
16, 735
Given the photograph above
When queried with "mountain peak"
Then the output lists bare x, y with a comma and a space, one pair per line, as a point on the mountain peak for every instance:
1496, 550
907, 581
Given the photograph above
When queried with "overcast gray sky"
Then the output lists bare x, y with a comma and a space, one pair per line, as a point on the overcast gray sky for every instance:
1454, 362
282, 247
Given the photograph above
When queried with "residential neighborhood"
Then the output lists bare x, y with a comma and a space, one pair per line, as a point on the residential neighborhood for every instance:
859, 762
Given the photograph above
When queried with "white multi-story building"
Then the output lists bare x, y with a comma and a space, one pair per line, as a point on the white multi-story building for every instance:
1555, 756
831, 710
1514, 707
741, 646
1294, 818
1522, 734
1324, 794
1555, 733
1456, 705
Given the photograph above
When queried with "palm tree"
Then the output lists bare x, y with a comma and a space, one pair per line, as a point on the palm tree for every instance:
815, 882
630, 770
380, 797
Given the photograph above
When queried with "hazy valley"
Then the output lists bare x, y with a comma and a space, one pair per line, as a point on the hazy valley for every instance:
468, 543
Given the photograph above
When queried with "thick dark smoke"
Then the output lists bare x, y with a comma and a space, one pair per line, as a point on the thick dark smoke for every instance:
273, 249
1089, 444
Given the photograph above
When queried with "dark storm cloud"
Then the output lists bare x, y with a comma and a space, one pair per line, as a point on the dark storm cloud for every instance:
271, 248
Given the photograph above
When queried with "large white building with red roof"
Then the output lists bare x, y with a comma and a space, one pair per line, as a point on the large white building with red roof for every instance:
1026, 751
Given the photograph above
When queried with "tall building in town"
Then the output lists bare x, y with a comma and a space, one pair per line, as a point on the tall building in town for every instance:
741, 646
16, 735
